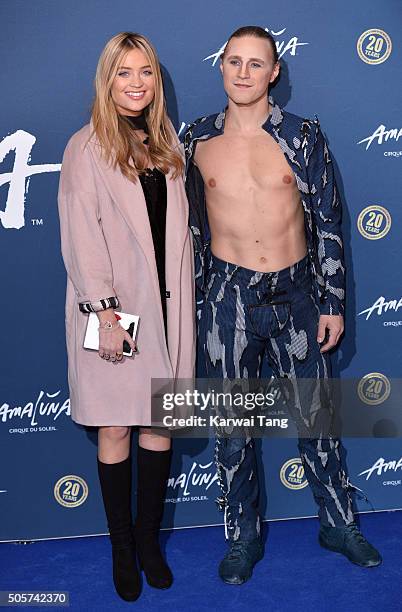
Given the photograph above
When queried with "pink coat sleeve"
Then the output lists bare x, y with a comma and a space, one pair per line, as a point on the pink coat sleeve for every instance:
83, 244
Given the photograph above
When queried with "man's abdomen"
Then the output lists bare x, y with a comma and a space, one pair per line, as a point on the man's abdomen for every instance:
260, 235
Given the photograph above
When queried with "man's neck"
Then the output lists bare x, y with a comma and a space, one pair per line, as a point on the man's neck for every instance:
247, 118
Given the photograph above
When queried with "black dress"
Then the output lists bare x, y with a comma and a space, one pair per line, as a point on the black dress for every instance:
153, 184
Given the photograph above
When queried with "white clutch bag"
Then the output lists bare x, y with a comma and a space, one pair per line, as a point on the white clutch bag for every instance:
129, 322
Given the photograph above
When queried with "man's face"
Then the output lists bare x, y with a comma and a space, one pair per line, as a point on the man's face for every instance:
248, 69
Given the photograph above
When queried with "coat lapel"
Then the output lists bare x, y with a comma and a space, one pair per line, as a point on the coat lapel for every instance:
130, 200
176, 217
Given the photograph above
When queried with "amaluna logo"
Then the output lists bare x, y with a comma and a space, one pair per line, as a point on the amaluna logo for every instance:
381, 135
380, 306
21, 142
198, 476
283, 46
49, 405
381, 466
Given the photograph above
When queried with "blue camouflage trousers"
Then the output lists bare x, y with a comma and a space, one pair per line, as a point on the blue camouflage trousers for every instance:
246, 316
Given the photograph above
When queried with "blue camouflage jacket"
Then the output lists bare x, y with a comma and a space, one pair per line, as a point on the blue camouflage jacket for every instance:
306, 150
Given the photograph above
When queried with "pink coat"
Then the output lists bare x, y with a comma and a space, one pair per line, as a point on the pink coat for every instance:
108, 250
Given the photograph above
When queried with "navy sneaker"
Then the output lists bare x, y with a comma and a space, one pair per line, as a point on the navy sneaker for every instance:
237, 565
349, 541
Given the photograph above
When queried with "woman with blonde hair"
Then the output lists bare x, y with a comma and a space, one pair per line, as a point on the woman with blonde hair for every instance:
126, 246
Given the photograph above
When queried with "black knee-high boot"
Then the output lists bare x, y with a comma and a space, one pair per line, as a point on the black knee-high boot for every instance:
153, 473
115, 481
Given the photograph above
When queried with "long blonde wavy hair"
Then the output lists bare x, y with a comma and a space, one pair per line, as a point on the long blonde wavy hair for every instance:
120, 144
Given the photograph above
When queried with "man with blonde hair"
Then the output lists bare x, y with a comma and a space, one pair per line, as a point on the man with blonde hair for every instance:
266, 220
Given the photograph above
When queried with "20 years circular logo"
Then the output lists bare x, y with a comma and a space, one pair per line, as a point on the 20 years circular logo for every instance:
374, 222
71, 491
374, 46
292, 474
374, 388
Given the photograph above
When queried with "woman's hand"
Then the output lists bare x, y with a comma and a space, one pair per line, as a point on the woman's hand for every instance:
112, 336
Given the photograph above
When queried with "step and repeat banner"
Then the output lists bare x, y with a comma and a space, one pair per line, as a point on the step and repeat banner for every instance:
342, 64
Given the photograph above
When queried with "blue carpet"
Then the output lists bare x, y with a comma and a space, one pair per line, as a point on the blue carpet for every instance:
296, 575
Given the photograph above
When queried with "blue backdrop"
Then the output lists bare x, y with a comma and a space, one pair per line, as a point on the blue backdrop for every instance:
341, 63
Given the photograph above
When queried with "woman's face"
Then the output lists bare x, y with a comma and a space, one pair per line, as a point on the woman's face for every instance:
133, 87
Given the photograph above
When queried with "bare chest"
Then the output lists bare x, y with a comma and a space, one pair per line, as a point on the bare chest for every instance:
233, 165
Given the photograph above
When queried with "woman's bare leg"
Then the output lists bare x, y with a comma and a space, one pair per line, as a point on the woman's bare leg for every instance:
113, 444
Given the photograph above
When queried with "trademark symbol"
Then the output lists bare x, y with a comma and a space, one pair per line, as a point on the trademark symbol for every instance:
36, 222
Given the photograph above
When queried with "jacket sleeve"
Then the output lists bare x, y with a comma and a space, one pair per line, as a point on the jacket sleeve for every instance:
83, 244
327, 211
198, 221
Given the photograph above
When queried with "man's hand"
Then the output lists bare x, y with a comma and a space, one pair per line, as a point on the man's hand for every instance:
334, 325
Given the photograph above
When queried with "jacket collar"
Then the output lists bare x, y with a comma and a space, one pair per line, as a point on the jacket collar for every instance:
216, 127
